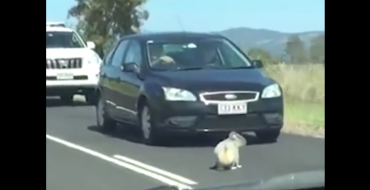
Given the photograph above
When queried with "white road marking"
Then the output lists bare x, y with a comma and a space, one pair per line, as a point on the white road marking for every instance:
156, 170
118, 162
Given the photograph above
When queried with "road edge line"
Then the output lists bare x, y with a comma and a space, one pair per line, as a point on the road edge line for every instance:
155, 170
118, 162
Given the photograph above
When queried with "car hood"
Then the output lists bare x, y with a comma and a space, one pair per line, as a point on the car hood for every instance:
214, 80
52, 53
300, 180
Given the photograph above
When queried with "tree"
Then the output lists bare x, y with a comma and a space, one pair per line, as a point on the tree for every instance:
317, 49
104, 21
295, 49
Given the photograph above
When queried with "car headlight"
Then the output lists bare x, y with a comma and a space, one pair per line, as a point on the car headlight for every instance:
271, 91
94, 59
175, 94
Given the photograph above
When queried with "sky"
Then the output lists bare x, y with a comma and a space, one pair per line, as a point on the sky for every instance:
216, 15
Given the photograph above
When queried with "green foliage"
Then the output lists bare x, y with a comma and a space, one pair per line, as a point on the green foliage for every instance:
304, 94
296, 50
317, 49
103, 21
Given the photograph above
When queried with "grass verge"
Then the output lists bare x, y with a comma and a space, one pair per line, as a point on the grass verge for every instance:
304, 92
305, 119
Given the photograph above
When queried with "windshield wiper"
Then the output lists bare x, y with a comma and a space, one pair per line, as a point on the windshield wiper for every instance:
242, 67
201, 67
293, 181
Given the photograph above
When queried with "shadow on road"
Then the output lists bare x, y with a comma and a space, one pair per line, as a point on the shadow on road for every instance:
128, 133
59, 103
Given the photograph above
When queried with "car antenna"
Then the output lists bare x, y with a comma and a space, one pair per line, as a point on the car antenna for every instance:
180, 23
181, 26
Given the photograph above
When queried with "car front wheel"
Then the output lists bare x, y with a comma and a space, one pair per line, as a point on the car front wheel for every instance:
91, 98
103, 122
147, 126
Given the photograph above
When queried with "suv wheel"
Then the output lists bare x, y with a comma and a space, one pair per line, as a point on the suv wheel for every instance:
91, 98
147, 126
268, 136
103, 122
67, 98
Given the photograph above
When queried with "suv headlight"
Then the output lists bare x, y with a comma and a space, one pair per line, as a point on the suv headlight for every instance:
175, 94
271, 91
94, 59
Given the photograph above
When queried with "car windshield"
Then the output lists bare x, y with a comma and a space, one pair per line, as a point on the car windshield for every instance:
63, 40
215, 53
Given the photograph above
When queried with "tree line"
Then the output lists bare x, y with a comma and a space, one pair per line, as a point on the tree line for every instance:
105, 21
295, 51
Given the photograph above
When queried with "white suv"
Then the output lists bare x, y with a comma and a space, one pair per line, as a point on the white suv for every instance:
72, 67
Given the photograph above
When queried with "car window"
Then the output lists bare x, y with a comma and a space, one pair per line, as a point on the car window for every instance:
108, 58
210, 53
119, 54
134, 53
170, 48
231, 56
56, 39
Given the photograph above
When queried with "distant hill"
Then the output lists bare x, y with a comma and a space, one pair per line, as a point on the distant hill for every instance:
270, 40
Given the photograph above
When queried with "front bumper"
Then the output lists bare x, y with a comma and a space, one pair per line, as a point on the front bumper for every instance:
60, 87
196, 117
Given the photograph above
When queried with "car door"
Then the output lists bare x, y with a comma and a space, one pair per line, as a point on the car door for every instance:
113, 78
103, 75
130, 81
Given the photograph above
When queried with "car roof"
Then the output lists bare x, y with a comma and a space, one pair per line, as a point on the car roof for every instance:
58, 29
170, 35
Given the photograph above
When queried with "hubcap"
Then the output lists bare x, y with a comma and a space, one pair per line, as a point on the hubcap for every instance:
145, 123
99, 113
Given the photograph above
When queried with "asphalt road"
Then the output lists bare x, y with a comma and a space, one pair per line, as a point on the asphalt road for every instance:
70, 169
76, 159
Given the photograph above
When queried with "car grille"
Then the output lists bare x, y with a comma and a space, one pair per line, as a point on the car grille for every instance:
222, 96
79, 77
72, 63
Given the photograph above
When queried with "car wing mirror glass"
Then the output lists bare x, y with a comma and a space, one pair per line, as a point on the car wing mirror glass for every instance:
257, 63
129, 67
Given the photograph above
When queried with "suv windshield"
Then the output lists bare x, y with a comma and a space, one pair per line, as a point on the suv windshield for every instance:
212, 53
63, 40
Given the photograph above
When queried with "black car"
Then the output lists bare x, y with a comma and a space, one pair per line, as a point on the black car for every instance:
182, 82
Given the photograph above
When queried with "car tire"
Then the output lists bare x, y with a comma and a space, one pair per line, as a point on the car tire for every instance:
67, 98
91, 98
269, 136
147, 126
103, 122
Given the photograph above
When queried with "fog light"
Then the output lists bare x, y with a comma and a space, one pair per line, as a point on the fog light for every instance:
273, 118
182, 121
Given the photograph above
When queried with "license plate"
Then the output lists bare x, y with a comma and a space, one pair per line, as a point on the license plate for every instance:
64, 76
232, 108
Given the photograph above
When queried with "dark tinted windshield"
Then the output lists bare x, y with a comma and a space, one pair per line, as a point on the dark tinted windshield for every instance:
210, 53
63, 40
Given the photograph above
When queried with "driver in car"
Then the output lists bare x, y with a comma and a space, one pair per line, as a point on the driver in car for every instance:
159, 57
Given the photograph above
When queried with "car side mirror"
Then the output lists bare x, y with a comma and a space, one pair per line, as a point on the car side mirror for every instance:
90, 45
257, 63
129, 67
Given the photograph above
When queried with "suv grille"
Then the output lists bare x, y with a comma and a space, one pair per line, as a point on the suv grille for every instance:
64, 63
221, 96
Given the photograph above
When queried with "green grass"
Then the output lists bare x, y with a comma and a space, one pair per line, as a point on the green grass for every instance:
304, 92
305, 118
